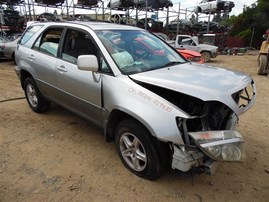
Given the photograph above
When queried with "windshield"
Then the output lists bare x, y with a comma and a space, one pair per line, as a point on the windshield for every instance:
138, 51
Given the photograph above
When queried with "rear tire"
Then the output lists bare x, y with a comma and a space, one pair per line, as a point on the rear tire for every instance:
139, 151
262, 62
34, 98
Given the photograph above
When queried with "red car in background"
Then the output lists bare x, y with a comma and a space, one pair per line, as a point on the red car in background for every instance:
191, 55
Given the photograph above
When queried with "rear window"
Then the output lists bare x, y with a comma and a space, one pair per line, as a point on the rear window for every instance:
29, 33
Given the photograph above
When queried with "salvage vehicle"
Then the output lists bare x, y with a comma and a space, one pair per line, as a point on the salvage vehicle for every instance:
187, 54
11, 20
192, 43
263, 59
213, 6
191, 55
3, 40
9, 49
160, 109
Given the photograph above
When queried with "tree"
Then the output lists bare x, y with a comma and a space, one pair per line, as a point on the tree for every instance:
253, 21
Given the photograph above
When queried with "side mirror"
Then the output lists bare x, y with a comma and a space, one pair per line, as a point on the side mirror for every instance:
88, 63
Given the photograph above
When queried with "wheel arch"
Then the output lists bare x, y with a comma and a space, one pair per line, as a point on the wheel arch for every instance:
115, 117
24, 75
208, 51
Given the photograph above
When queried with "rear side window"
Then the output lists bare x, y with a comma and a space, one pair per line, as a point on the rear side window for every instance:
29, 33
48, 42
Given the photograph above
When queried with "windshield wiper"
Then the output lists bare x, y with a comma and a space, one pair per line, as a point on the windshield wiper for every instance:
170, 64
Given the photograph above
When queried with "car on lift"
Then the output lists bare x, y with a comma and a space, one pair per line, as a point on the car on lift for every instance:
47, 17
181, 24
11, 20
213, 6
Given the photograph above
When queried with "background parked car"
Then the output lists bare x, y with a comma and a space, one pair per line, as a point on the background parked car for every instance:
192, 43
3, 39
191, 55
9, 49
187, 54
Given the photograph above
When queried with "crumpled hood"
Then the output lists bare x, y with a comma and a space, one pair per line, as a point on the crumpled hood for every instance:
201, 81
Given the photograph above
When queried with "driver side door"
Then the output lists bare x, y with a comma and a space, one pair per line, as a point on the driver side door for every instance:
80, 91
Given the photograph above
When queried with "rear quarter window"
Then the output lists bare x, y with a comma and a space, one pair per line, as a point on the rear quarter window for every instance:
29, 33
48, 42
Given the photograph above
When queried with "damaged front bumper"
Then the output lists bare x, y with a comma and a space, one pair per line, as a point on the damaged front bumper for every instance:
213, 146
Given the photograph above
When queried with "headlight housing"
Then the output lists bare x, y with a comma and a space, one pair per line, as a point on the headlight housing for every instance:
220, 145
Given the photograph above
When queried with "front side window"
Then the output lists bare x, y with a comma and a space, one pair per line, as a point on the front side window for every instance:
138, 51
77, 43
48, 42
186, 41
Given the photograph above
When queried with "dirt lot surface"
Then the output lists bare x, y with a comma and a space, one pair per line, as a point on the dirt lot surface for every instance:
58, 156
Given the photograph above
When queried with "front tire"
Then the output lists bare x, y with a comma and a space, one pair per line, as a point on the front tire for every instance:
262, 62
206, 56
138, 150
34, 98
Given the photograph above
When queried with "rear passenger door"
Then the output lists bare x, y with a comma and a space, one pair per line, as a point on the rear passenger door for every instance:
80, 91
43, 57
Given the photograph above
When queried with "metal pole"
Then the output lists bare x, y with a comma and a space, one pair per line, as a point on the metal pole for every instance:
207, 29
167, 18
34, 15
103, 11
178, 16
136, 15
146, 19
29, 7
253, 30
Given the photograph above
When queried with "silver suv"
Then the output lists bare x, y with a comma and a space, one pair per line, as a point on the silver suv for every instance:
161, 110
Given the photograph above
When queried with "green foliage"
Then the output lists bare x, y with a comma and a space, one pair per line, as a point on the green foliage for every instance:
246, 33
254, 20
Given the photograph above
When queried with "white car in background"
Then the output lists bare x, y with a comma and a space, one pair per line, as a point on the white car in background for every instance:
213, 6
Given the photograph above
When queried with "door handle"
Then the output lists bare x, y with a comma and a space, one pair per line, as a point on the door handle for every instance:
32, 57
61, 68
